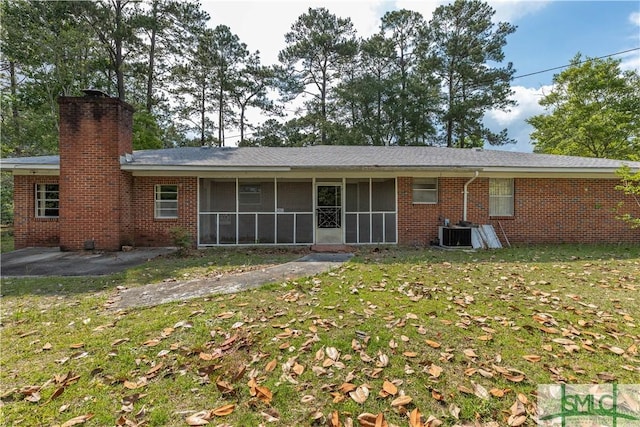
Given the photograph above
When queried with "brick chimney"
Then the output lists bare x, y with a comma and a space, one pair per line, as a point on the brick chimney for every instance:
95, 195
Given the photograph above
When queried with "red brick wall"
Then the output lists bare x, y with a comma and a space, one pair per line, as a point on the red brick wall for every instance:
568, 211
94, 193
546, 211
27, 229
149, 231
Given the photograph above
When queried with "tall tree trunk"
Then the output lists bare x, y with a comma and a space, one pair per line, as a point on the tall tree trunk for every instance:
203, 123
15, 113
13, 89
118, 45
449, 118
243, 108
323, 111
221, 116
152, 54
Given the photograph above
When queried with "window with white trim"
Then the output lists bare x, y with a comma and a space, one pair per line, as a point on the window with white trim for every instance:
249, 194
166, 201
47, 200
425, 190
500, 197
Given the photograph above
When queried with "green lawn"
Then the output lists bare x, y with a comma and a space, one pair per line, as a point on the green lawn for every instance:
452, 335
6, 239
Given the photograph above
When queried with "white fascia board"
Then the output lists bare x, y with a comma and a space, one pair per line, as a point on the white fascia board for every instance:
23, 169
14, 166
552, 172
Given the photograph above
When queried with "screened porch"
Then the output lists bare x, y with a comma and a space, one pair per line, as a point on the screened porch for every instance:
296, 211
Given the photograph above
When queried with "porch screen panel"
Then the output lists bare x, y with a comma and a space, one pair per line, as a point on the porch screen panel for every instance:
256, 195
208, 229
364, 228
377, 228
217, 195
266, 228
357, 196
304, 228
295, 196
227, 227
246, 229
285, 228
351, 228
384, 195
390, 227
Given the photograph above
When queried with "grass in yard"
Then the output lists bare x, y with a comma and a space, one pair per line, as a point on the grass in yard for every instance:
6, 239
460, 334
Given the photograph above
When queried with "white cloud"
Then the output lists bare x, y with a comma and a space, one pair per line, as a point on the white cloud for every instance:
635, 18
425, 8
512, 10
514, 120
263, 24
506, 10
631, 61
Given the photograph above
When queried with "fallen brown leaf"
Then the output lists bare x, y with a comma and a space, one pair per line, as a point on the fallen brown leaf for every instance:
433, 344
199, 418
81, 419
271, 365
401, 401
223, 410
360, 394
389, 388
415, 418
435, 370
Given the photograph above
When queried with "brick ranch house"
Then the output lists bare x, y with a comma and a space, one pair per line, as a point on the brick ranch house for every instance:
99, 193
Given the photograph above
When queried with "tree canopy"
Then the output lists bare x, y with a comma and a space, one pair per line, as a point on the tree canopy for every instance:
413, 82
593, 110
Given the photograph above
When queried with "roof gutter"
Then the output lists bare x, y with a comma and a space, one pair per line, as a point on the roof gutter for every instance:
466, 195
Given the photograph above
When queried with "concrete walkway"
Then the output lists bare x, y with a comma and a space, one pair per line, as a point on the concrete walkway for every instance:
160, 293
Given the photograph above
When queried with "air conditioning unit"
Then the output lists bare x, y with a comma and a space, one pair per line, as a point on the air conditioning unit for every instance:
455, 237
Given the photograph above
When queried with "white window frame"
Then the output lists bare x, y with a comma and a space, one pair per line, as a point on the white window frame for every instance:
419, 188
43, 197
496, 184
250, 190
161, 210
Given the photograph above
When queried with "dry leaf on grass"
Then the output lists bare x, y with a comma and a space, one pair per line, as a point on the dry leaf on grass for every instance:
223, 410
415, 418
389, 389
81, 419
271, 365
401, 401
433, 344
360, 394
370, 420
435, 370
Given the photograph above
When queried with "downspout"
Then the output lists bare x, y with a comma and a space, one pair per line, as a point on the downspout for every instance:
466, 194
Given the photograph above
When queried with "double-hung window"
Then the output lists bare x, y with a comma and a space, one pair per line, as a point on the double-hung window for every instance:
249, 194
47, 200
425, 190
166, 201
500, 197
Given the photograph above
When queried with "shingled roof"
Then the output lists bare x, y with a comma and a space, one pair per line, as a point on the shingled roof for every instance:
337, 157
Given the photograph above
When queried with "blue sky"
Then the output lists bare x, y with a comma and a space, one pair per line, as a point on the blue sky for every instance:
549, 34
554, 34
